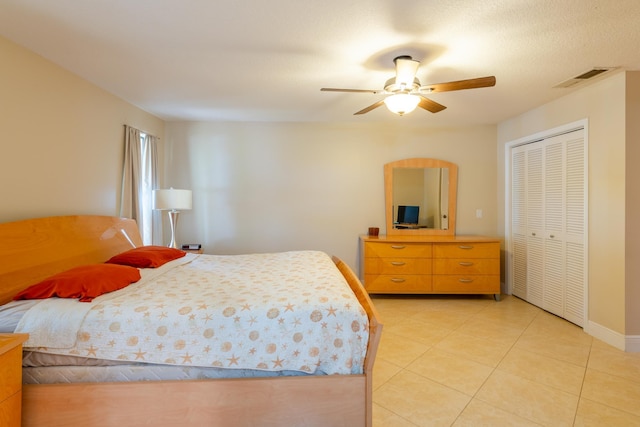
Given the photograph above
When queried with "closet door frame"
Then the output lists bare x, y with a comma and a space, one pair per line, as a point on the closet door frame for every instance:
509, 261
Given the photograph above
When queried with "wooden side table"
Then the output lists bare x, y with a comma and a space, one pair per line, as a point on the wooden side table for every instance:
194, 250
11, 379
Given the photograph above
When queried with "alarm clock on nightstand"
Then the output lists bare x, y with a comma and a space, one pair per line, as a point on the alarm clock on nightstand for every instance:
195, 248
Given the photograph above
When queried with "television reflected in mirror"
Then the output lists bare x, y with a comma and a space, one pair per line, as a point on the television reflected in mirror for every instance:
407, 216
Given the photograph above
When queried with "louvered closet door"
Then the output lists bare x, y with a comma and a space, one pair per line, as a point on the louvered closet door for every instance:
528, 222
535, 224
555, 261
519, 221
548, 224
575, 229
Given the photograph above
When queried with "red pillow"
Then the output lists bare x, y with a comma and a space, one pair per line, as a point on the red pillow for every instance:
147, 256
86, 282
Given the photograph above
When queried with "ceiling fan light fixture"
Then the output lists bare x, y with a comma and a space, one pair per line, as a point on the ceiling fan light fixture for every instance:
405, 91
402, 103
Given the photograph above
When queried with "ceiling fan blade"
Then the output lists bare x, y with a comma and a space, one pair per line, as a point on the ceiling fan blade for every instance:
370, 107
332, 89
406, 69
430, 105
460, 85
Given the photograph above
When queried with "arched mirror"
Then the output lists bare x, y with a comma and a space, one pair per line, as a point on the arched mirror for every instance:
420, 197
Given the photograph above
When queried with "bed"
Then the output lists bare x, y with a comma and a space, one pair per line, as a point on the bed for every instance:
312, 392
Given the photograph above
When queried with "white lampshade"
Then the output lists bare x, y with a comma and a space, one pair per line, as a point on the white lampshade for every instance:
172, 199
402, 103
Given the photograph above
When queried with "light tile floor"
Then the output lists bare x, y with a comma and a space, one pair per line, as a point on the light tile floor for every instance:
472, 361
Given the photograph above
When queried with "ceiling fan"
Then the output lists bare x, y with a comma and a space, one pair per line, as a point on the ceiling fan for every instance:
406, 93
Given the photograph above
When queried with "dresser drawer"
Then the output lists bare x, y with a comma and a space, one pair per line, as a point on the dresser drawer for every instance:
387, 283
466, 250
431, 265
397, 265
467, 284
397, 250
466, 266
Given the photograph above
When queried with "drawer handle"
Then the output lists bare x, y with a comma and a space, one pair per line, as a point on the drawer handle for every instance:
398, 246
465, 280
465, 247
466, 264
397, 263
397, 280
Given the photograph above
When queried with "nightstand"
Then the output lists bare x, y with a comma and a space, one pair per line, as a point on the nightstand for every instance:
194, 251
11, 379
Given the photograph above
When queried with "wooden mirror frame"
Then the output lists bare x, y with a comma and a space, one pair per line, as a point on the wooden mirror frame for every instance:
388, 195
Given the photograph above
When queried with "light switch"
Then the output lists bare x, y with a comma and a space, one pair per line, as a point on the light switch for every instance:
478, 213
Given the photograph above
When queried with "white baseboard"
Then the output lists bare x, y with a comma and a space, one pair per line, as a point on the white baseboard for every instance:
630, 343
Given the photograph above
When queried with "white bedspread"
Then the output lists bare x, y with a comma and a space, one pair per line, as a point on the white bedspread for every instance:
280, 311
55, 322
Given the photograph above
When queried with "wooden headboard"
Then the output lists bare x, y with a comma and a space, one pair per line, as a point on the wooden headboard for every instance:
34, 249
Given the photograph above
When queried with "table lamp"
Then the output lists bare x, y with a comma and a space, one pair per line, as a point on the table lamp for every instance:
174, 201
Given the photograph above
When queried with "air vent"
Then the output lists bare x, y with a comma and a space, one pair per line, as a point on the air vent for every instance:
584, 77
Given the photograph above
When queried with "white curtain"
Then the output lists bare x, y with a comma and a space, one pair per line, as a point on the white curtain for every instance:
139, 179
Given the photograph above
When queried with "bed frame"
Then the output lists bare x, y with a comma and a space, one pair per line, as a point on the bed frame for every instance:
34, 249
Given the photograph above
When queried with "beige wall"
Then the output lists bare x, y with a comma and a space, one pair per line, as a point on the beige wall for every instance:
270, 187
61, 139
603, 104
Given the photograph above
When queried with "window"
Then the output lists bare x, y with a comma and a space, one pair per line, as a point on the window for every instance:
147, 185
139, 179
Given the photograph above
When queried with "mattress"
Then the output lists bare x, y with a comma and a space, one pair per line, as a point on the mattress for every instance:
138, 372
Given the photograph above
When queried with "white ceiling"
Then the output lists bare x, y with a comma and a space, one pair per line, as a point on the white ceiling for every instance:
266, 60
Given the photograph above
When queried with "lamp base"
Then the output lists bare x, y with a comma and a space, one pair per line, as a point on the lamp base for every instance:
173, 220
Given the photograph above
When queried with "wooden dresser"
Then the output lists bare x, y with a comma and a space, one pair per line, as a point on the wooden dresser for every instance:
11, 379
431, 265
